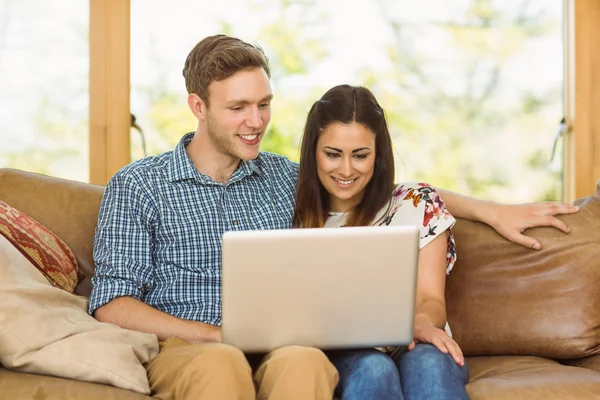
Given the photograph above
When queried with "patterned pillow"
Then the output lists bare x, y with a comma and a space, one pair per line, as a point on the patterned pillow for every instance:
50, 255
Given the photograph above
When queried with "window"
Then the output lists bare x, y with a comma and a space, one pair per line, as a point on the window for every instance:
44, 87
472, 88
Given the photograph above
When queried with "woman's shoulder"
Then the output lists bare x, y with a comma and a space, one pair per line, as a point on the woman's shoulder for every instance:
416, 191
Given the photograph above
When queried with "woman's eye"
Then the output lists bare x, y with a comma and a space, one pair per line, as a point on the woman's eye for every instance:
360, 156
332, 155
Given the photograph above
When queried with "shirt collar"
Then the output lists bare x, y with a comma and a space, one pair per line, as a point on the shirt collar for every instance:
180, 166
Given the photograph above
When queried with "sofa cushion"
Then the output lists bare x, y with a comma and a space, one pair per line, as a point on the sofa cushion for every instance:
505, 299
39, 245
20, 385
46, 330
67, 208
529, 378
592, 362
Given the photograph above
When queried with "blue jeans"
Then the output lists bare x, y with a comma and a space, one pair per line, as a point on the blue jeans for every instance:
422, 373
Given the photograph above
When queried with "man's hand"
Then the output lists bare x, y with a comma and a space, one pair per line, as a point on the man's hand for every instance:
425, 332
210, 333
511, 221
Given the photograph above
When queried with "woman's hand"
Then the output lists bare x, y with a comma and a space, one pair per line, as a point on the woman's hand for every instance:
511, 221
425, 332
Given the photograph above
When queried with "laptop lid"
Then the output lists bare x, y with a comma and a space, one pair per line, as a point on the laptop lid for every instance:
329, 288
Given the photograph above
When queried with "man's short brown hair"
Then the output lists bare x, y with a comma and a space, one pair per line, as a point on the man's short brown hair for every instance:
218, 57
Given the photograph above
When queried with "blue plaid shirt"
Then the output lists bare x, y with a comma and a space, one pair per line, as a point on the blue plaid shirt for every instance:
158, 237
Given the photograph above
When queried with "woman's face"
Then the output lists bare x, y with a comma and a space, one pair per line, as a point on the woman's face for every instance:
345, 163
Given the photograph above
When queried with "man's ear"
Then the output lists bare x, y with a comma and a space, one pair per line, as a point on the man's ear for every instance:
197, 106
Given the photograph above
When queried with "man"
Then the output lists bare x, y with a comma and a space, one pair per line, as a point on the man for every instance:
158, 241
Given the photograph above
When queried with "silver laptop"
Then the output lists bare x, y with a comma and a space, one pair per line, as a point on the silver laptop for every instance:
329, 288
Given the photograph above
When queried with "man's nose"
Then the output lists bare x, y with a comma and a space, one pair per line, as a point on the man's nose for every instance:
254, 119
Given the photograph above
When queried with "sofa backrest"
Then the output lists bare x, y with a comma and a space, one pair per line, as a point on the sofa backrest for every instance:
67, 208
505, 299
501, 298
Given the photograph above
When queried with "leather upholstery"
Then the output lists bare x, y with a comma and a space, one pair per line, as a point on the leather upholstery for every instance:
504, 299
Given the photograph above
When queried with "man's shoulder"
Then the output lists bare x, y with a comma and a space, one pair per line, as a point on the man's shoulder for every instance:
267, 160
143, 170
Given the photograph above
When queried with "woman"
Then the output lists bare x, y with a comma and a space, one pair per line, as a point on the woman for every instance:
346, 178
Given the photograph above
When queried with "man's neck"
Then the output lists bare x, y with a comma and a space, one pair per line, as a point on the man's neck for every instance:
208, 161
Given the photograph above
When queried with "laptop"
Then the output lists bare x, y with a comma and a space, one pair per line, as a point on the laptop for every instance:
331, 288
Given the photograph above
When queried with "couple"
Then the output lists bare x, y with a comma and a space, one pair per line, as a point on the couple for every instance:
157, 246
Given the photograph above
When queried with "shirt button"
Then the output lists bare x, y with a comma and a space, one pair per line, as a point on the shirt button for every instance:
235, 222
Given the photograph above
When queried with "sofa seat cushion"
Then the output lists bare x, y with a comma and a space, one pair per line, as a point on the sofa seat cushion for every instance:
592, 362
20, 385
529, 378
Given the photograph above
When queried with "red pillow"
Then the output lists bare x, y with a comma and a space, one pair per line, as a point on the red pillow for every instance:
52, 257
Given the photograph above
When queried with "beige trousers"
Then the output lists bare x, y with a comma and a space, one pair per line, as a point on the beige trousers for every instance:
184, 371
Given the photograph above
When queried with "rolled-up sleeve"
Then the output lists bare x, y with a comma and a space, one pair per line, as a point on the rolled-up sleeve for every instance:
122, 242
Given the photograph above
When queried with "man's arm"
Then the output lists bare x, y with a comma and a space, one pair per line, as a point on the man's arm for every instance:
130, 313
123, 257
509, 220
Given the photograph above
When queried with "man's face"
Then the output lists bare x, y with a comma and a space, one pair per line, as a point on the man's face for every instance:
239, 112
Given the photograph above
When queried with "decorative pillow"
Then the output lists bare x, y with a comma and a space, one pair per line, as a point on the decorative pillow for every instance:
40, 246
45, 330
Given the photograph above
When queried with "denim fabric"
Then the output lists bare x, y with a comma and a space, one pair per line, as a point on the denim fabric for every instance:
422, 373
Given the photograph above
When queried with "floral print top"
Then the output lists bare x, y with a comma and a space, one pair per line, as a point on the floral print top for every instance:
414, 203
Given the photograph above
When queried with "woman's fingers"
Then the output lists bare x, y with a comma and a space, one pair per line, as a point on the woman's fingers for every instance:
447, 345
455, 351
439, 343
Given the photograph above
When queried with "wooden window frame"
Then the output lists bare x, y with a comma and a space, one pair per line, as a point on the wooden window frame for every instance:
582, 98
110, 118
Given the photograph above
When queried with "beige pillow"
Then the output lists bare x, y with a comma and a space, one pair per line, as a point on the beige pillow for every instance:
46, 330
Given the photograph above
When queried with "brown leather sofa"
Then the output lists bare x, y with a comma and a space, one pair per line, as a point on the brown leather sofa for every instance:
529, 321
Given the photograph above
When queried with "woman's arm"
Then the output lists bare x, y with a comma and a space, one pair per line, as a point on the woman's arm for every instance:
430, 306
509, 220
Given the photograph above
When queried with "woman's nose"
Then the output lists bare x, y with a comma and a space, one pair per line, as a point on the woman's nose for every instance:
345, 169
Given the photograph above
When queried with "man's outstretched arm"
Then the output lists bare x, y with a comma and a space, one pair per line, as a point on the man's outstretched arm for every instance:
509, 220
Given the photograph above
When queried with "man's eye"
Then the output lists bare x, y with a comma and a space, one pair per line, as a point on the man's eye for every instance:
265, 105
236, 108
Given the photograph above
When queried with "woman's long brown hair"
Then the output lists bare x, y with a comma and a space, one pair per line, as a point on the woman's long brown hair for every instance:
343, 104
